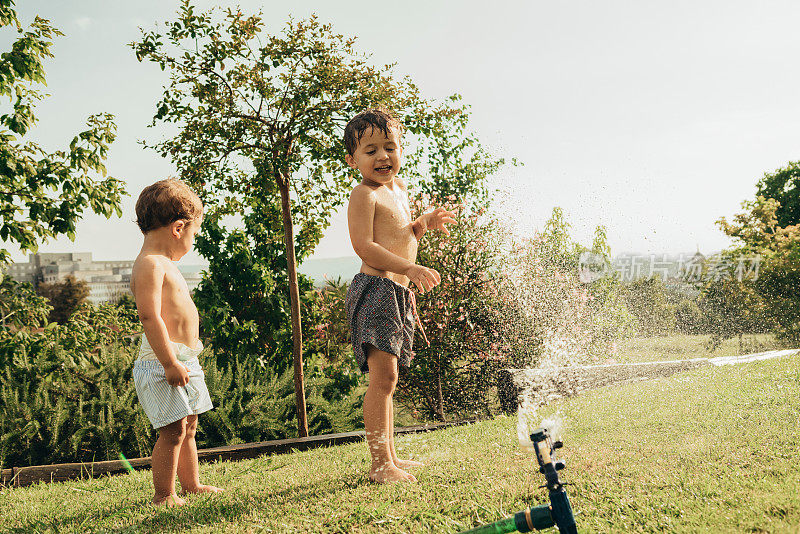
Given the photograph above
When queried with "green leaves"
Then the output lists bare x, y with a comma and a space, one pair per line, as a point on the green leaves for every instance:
66, 392
258, 106
783, 185
43, 194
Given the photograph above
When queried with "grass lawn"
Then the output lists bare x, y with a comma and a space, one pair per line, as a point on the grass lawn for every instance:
683, 347
711, 450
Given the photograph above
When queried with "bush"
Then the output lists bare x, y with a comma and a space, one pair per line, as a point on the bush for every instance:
53, 410
466, 319
64, 296
646, 299
67, 393
689, 319
253, 403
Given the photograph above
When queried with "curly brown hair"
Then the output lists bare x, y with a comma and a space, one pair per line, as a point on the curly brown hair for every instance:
165, 202
380, 118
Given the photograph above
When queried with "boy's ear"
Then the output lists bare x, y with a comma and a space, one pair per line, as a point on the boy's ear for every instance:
350, 160
178, 227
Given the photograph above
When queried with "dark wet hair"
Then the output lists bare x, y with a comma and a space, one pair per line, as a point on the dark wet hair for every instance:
379, 118
165, 202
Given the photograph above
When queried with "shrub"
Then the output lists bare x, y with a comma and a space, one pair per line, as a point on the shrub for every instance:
647, 301
689, 319
67, 394
64, 296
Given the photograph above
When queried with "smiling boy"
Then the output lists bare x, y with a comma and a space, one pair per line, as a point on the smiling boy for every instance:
381, 309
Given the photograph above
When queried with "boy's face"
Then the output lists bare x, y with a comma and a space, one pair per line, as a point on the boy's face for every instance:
185, 232
378, 157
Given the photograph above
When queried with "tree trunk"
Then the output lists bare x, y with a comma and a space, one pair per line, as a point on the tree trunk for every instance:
294, 296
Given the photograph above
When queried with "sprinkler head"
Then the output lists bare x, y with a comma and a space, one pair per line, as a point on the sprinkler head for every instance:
560, 508
540, 434
545, 454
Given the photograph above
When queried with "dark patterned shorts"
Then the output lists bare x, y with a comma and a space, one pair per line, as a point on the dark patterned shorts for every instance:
381, 313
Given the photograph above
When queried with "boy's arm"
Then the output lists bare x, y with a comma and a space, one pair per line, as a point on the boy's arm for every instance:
360, 218
420, 226
148, 283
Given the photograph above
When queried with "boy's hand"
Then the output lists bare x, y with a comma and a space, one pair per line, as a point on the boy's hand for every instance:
424, 278
434, 220
177, 375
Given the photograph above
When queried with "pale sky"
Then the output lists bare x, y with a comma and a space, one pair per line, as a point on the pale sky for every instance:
654, 119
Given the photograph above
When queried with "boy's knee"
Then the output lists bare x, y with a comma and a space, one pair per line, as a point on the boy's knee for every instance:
383, 372
385, 384
191, 426
174, 433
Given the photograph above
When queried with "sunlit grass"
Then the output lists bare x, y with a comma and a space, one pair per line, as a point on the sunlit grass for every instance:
681, 347
711, 450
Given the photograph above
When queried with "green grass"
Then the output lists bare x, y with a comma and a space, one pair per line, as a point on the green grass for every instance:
682, 347
711, 450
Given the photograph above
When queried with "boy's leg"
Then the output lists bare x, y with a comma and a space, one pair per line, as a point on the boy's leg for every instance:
377, 416
402, 464
188, 470
165, 462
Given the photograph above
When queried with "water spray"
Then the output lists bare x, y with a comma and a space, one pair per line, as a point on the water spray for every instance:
558, 513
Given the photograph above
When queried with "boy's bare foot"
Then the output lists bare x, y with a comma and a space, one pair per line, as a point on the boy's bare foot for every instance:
202, 488
170, 501
390, 473
405, 464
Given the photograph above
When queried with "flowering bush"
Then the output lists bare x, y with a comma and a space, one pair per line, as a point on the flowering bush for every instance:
504, 302
464, 318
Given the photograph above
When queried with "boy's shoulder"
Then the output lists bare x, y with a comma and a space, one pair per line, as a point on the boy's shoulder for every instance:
362, 192
149, 263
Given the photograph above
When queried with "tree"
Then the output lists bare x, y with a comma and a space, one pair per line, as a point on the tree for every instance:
243, 297
558, 250
611, 320
783, 186
64, 296
689, 319
732, 308
759, 230
44, 194
449, 161
770, 296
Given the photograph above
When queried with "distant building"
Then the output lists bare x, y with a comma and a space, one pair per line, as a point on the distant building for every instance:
108, 280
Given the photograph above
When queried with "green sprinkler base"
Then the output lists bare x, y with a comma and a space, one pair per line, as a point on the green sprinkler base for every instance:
535, 518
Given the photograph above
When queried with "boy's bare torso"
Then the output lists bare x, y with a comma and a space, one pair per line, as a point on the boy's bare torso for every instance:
178, 311
392, 227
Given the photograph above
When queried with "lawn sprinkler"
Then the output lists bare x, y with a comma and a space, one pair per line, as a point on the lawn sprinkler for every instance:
557, 514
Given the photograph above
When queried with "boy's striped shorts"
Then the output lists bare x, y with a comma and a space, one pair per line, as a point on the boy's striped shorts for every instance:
164, 404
